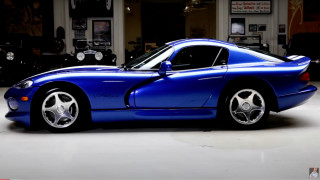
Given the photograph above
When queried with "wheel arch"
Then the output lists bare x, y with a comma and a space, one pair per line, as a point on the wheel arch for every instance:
52, 85
251, 81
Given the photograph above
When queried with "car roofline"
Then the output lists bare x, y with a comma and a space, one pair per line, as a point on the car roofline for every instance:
196, 41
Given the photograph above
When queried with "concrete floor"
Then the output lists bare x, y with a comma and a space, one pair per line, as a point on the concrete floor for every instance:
286, 149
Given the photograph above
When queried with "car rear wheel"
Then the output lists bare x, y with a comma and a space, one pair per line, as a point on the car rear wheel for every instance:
246, 108
62, 110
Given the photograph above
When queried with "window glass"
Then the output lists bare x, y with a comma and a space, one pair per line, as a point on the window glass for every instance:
152, 59
222, 58
196, 57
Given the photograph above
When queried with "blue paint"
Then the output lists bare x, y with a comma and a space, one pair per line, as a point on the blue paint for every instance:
120, 94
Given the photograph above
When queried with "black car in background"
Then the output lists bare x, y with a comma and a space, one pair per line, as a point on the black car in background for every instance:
17, 60
306, 44
93, 52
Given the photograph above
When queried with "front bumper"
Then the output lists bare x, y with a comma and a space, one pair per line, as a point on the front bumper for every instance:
293, 100
22, 113
21, 117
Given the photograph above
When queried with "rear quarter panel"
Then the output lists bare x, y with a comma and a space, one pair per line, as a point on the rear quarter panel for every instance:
281, 76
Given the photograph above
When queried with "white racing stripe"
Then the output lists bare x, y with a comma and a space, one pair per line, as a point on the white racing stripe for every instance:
298, 57
295, 57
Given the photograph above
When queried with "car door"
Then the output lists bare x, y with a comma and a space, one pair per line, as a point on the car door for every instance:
197, 74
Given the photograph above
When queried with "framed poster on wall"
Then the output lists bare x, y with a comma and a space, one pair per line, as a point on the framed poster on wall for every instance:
250, 7
101, 30
262, 27
282, 28
253, 27
238, 26
79, 23
31, 18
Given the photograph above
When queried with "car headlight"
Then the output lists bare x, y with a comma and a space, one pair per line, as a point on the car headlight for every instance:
13, 103
98, 56
10, 56
80, 56
23, 84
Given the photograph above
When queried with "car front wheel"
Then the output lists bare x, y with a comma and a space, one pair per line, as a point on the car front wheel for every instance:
61, 110
247, 108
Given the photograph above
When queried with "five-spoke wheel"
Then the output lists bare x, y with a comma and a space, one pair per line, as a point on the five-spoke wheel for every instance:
63, 110
246, 107
60, 109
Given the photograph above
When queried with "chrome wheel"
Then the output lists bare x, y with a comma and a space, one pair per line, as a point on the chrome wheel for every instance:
60, 109
247, 106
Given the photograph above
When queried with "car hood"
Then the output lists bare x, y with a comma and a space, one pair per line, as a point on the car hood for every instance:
78, 69
84, 69
86, 73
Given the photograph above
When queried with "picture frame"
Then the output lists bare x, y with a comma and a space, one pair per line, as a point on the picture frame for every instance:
282, 39
262, 27
253, 27
250, 6
101, 30
79, 23
282, 28
24, 21
238, 26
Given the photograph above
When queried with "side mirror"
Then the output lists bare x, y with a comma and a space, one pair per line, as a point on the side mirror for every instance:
164, 67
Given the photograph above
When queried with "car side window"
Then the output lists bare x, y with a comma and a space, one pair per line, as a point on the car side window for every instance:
222, 58
195, 57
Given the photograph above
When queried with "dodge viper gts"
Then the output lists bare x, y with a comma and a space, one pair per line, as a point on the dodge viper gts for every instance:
181, 80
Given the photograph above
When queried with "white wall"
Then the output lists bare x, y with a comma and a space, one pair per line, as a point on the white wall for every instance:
278, 16
62, 18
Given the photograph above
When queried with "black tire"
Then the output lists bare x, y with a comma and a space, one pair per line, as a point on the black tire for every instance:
246, 108
62, 110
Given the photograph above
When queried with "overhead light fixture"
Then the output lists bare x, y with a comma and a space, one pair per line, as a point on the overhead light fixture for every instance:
195, 1
128, 6
187, 9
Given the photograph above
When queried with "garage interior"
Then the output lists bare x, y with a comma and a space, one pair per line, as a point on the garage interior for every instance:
286, 149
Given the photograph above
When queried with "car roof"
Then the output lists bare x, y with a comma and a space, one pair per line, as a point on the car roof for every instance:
204, 41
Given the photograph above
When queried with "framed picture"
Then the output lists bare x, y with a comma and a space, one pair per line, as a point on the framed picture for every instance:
32, 18
282, 28
253, 27
251, 7
79, 23
282, 39
238, 26
262, 27
80, 34
101, 30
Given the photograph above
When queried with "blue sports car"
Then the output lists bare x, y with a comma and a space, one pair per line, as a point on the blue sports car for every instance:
182, 80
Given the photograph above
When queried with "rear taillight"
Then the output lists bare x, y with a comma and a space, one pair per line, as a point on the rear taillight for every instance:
305, 77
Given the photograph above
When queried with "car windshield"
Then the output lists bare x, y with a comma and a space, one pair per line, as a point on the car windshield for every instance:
152, 59
265, 55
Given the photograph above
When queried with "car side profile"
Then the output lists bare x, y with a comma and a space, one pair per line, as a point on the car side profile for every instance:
181, 80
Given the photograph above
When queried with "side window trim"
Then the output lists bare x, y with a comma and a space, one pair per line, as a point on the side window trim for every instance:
214, 62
